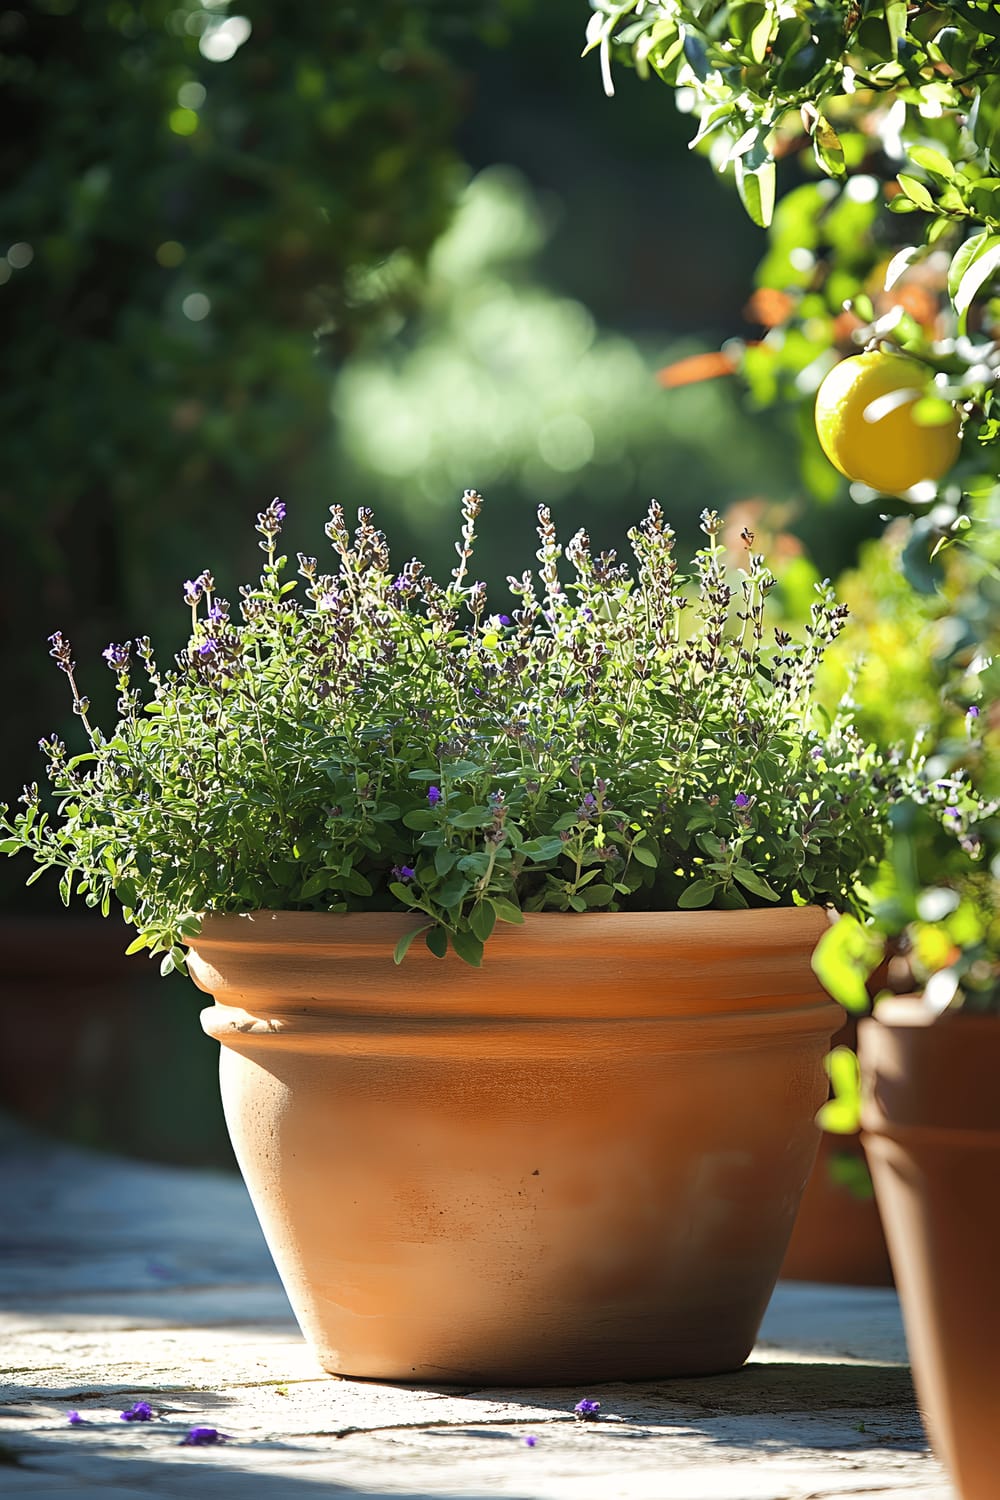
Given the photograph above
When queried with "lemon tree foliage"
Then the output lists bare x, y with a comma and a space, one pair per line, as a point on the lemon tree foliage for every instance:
864, 136
892, 114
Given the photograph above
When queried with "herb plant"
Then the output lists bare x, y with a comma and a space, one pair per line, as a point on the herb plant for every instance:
622, 740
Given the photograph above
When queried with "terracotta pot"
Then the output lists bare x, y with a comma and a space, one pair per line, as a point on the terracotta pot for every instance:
838, 1235
579, 1163
931, 1130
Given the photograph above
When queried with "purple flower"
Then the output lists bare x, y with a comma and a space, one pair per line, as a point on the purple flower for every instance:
503, 619
117, 656
434, 795
75, 1420
531, 1440
403, 873
203, 1437
741, 800
816, 752
972, 712
140, 1411
953, 814
278, 511
587, 1410
192, 590
208, 648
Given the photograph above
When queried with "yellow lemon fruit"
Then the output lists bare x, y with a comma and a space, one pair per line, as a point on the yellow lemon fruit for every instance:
866, 426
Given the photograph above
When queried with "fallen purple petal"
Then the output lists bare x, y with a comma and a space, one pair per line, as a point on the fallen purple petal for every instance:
587, 1410
531, 1440
203, 1437
139, 1411
75, 1420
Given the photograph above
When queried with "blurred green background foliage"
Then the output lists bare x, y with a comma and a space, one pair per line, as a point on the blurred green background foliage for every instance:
374, 253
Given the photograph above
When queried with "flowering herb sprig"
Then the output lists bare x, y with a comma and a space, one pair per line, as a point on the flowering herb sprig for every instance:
369, 739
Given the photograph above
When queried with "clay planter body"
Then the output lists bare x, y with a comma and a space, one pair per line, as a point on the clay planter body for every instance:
931, 1131
578, 1163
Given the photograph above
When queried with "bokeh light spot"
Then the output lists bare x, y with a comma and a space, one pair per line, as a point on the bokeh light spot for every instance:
170, 254
196, 306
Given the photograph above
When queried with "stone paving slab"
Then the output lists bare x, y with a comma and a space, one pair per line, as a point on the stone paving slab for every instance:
121, 1282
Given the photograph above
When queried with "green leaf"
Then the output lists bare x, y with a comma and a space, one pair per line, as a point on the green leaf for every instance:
468, 946
760, 36
695, 54
482, 920
402, 893
644, 855
506, 910
842, 1113
403, 946
963, 258
932, 161
598, 895
756, 189
453, 892
916, 192
755, 883
983, 266
699, 893
901, 263
845, 956
138, 944
539, 850
472, 817
895, 16
827, 147
436, 939
420, 817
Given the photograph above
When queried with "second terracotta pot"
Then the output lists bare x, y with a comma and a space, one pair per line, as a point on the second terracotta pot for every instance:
931, 1130
579, 1163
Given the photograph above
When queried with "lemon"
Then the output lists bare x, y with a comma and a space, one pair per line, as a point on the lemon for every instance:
866, 426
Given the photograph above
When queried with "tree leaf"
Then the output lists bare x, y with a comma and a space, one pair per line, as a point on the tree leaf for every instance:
845, 956
916, 192
842, 1113
932, 161
900, 263
963, 258
756, 189
983, 266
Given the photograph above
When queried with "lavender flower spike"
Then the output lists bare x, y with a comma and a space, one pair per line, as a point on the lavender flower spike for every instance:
741, 800
117, 657
434, 795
